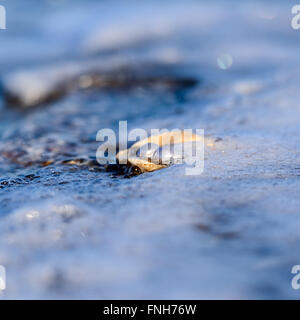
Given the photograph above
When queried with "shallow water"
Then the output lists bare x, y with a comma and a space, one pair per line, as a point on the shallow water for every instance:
72, 231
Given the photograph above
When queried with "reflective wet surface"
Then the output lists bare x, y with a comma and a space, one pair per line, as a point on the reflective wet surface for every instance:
69, 229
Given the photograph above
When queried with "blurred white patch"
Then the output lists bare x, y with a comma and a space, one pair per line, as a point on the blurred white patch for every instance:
2, 17
247, 86
32, 214
225, 61
121, 36
2, 278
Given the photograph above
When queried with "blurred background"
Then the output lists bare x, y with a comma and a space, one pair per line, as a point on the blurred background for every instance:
71, 230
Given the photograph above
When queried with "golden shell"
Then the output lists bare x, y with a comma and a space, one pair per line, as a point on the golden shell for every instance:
176, 136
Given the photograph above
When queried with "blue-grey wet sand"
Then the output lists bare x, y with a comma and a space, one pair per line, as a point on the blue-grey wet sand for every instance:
75, 231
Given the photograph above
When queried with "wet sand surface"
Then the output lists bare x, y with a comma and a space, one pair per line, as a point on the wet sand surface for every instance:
69, 229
